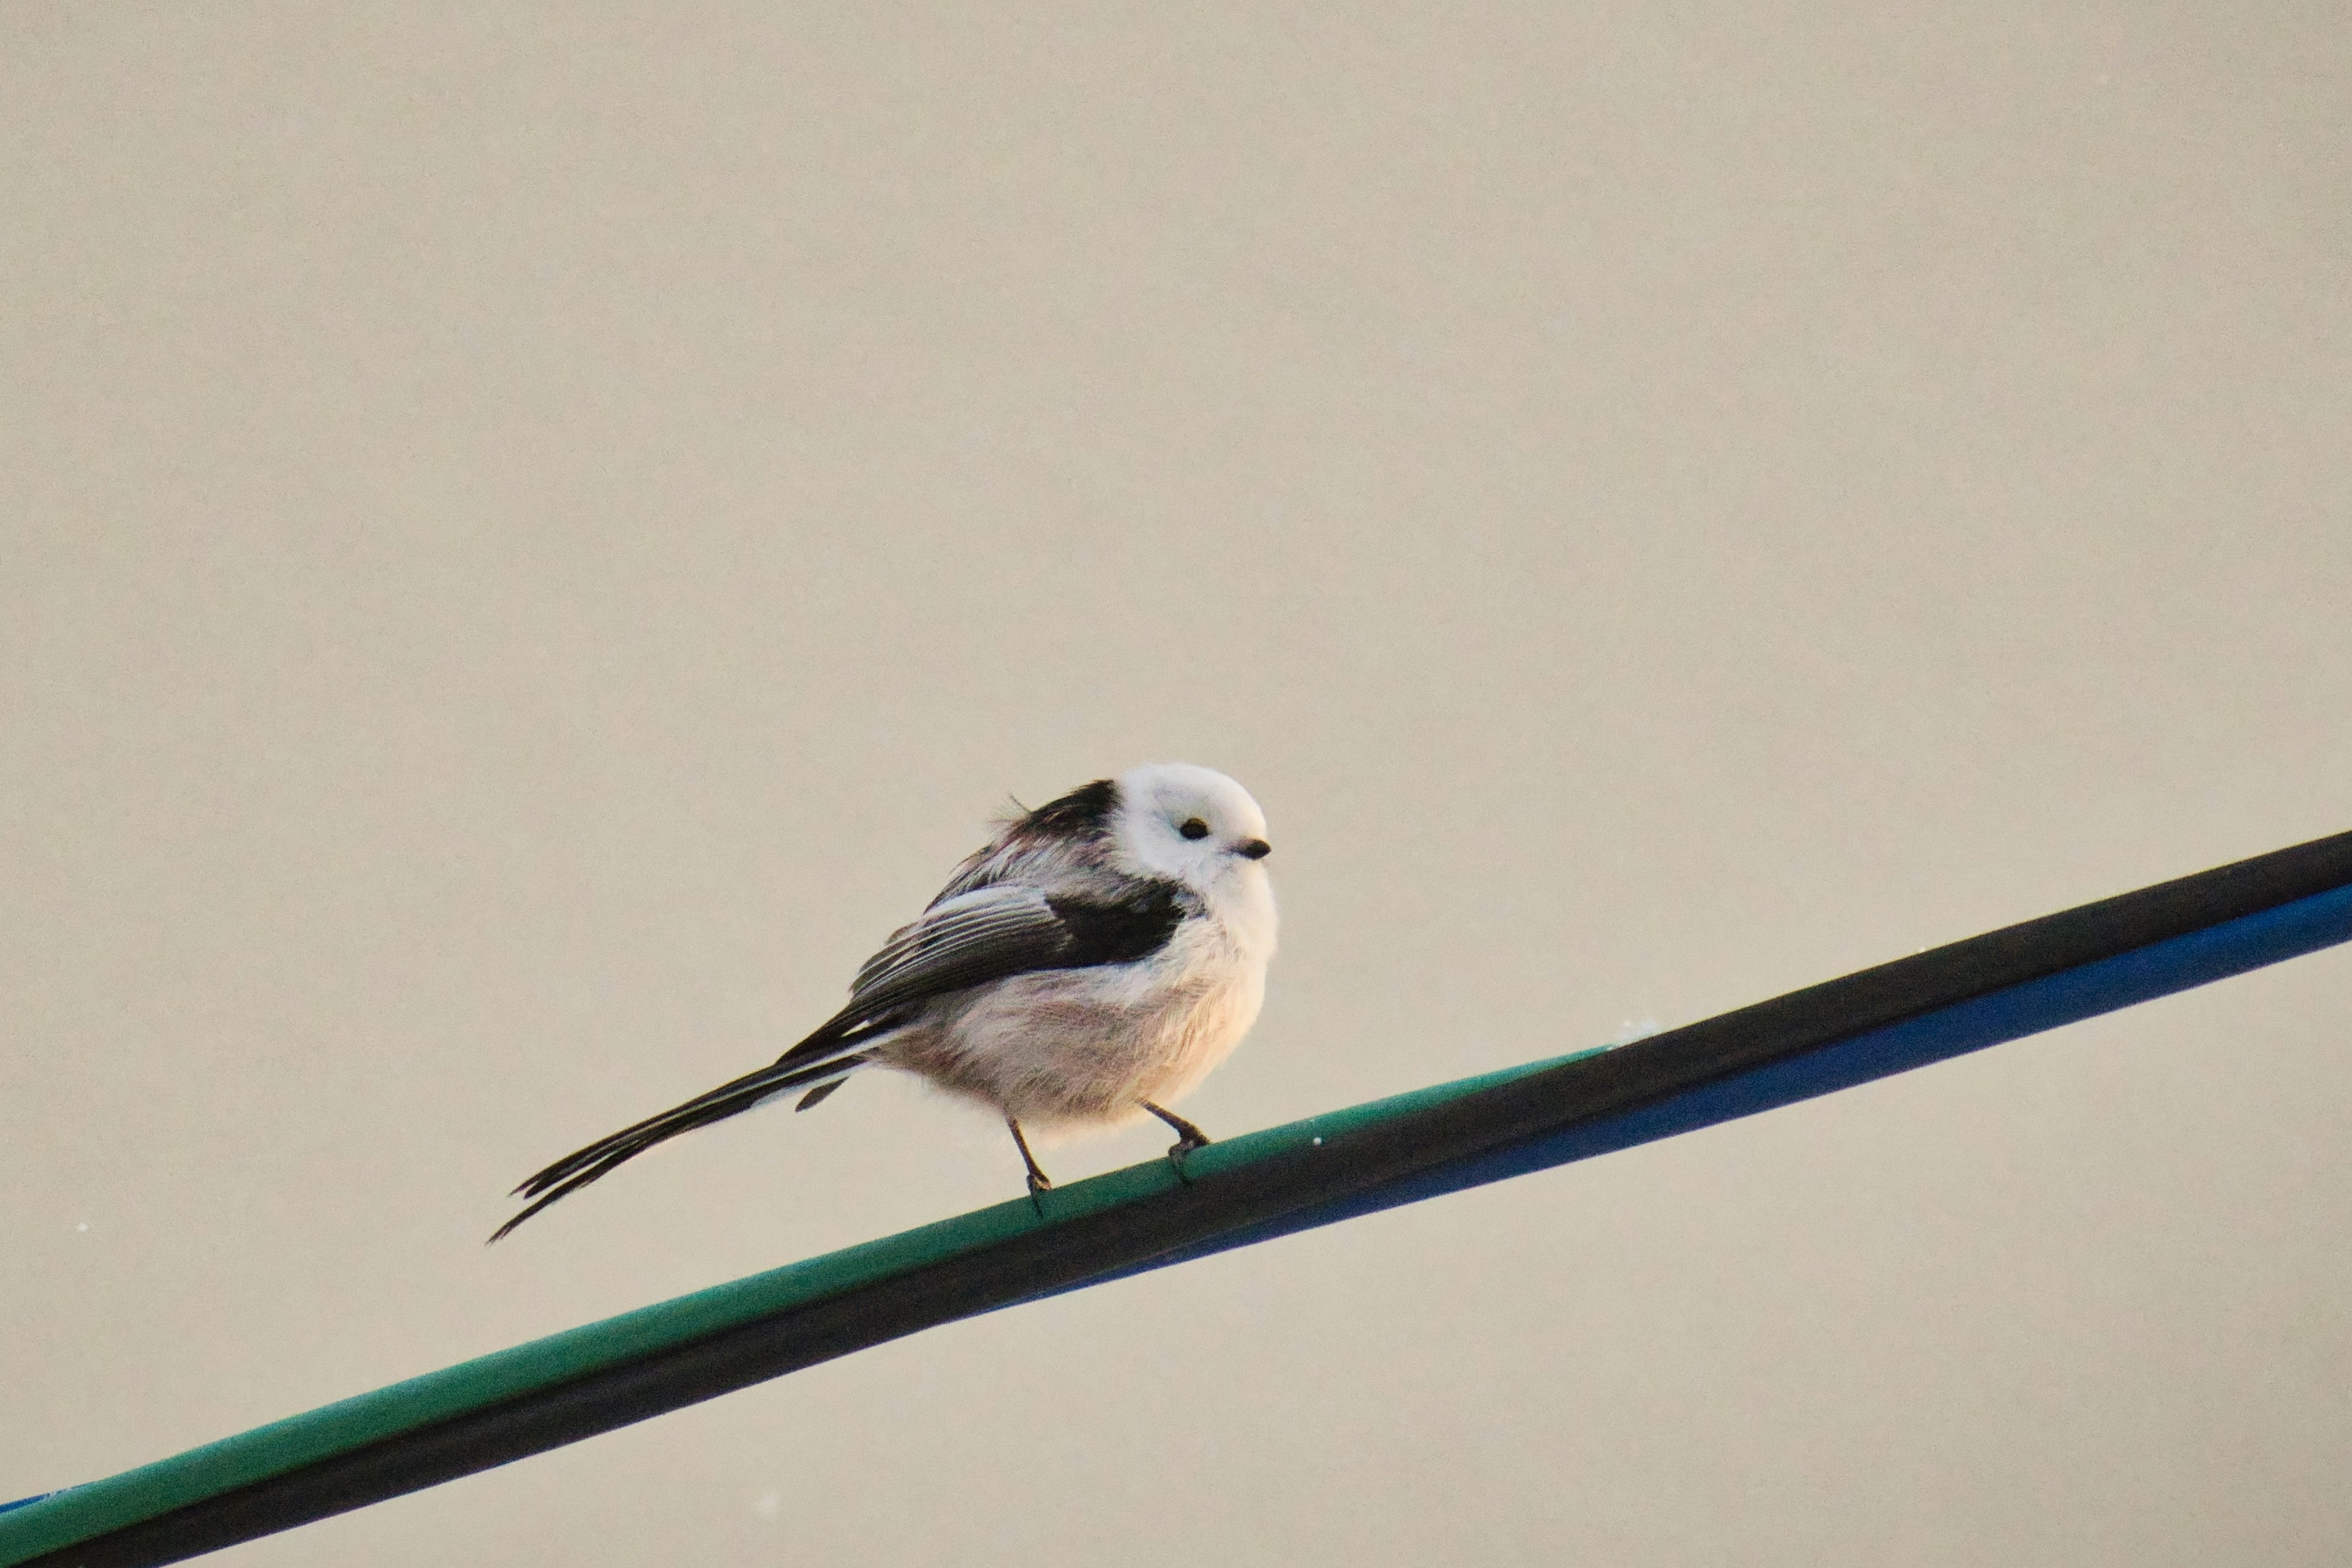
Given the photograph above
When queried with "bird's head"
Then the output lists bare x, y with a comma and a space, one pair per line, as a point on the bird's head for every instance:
1191, 824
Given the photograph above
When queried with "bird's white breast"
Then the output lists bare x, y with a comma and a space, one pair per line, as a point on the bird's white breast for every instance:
1061, 1049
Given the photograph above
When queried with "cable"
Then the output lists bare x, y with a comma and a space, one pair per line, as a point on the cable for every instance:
2000, 986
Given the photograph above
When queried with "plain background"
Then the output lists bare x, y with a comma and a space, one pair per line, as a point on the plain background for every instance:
535, 536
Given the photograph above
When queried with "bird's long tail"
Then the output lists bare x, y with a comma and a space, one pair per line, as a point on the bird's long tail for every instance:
575, 1171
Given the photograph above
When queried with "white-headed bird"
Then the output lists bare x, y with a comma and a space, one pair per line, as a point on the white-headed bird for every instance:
1087, 967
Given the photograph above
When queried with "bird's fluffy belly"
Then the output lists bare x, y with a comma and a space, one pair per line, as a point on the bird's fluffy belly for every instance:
1083, 1047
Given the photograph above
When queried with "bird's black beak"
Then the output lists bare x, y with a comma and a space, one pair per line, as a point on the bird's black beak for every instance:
1253, 850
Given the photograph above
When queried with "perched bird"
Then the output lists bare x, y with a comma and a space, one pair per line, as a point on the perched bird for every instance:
1085, 968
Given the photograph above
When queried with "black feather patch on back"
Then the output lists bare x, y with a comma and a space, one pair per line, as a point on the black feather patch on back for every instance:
1085, 811
1136, 926
1071, 831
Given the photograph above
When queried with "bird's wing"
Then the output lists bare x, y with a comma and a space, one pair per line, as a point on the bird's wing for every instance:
992, 932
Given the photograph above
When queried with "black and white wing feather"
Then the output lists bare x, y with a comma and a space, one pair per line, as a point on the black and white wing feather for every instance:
965, 941
994, 931
966, 938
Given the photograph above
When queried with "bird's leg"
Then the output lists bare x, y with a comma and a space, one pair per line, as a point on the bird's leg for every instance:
1188, 1137
1038, 1180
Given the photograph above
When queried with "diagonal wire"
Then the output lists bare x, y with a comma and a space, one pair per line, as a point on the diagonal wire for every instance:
2000, 986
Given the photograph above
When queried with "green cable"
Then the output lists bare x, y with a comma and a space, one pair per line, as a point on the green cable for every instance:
80, 1513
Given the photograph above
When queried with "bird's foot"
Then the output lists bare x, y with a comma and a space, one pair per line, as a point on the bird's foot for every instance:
1188, 1138
1179, 1151
1040, 1183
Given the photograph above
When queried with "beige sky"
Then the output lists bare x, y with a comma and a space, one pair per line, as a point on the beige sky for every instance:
534, 538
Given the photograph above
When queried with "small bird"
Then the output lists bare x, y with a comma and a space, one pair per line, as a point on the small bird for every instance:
1085, 968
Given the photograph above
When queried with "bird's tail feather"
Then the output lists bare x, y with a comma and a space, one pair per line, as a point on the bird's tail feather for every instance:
576, 1169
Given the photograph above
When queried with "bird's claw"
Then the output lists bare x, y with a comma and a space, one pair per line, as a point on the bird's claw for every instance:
1182, 1150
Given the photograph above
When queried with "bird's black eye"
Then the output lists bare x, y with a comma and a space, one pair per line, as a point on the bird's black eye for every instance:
1194, 828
